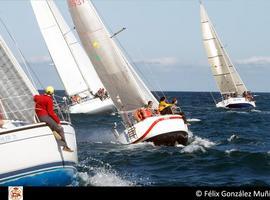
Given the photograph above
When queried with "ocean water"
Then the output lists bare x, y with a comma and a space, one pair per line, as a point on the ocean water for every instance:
228, 148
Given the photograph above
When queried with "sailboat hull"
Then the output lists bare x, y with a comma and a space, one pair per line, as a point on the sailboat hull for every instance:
31, 156
170, 139
93, 106
236, 103
168, 130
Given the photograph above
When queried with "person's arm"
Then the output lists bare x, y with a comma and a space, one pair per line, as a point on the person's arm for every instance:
51, 112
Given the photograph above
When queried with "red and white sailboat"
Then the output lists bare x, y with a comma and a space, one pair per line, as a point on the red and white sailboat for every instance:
125, 87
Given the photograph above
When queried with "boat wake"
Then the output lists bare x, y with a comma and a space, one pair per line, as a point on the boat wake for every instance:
196, 144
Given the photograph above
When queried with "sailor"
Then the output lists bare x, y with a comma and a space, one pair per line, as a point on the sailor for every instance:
45, 113
138, 115
76, 99
164, 107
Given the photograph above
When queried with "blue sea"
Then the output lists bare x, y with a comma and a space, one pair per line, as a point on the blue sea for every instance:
228, 148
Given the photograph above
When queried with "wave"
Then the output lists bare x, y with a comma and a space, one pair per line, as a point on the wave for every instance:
233, 137
230, 151
254, 110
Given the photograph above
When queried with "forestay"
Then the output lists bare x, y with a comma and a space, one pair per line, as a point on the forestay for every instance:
72, 63
126, 89
226, 76
16, 90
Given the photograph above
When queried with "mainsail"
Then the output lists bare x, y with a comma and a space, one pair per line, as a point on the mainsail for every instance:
126, 89
72, 63
16, 90
226, 76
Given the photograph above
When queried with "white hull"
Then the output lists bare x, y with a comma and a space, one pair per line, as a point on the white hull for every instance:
162, 130
30, 155
237, 102
93, 106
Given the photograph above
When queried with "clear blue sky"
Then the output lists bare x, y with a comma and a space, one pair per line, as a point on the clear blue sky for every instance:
163, 38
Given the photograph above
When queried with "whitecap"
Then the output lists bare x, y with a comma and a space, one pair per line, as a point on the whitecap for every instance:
232, 137
193, 120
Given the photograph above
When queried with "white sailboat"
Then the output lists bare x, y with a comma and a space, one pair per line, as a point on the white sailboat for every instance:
30, 154
127, 90
74, 68
233, 90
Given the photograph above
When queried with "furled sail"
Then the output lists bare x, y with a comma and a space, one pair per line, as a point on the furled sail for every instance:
16, 90
226, 76
126, 89
72, 63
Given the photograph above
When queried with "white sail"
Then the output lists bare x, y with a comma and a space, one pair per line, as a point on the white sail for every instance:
70, 76
16, 90
81, 60
226, 76
124, 86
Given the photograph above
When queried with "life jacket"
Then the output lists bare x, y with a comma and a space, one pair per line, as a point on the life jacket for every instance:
147, 113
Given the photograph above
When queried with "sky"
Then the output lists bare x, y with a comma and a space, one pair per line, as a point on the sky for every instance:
162, 37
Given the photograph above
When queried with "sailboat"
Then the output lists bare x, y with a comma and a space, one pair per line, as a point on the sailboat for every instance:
29, 152
233, 90
74, 68
126, 88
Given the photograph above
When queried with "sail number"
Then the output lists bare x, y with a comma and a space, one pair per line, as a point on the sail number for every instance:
76, 2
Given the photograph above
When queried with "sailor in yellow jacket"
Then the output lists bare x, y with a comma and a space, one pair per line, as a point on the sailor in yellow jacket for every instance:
164, 107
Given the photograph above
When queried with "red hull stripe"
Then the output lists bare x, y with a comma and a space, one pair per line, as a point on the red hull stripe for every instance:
152, 126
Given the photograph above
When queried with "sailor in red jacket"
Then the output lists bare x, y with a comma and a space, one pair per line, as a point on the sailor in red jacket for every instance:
45, 113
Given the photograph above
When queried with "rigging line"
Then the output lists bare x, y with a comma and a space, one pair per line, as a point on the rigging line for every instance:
135, 65
19, 50
155, 80
213, 98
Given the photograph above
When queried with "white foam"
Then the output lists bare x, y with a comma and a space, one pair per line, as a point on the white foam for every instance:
232, 137
197, 144
203, 142
193, 120
103, 177
192, 148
